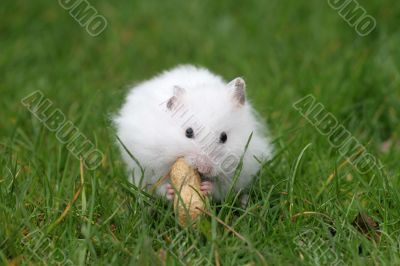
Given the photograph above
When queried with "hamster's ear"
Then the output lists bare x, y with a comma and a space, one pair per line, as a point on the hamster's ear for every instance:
178, 92
239, 90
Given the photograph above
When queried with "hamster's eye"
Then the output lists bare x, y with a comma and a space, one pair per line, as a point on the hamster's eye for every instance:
223, 137
189, 133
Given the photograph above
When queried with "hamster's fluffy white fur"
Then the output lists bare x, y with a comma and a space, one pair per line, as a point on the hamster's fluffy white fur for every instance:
153, 125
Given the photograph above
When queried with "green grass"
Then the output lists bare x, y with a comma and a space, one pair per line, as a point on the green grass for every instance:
284, 49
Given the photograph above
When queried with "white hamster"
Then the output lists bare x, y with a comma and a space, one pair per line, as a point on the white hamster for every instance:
192, 113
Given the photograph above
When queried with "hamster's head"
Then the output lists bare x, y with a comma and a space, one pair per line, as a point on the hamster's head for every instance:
213, 123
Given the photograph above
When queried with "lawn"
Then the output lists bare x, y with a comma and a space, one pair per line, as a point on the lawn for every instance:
304, 204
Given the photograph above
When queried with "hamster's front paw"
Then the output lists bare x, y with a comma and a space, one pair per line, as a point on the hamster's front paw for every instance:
206, 187
170, 192
244, 200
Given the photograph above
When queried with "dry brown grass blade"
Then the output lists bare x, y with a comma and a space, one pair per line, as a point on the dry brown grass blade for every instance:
14, 262
66, 210
69, 205
230, 229
295, 216
217, 258
343, 164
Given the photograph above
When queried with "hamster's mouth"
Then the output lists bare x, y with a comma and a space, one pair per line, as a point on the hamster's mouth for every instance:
204, 178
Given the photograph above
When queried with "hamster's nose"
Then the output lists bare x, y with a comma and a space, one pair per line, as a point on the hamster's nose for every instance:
202, 163
204, 169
